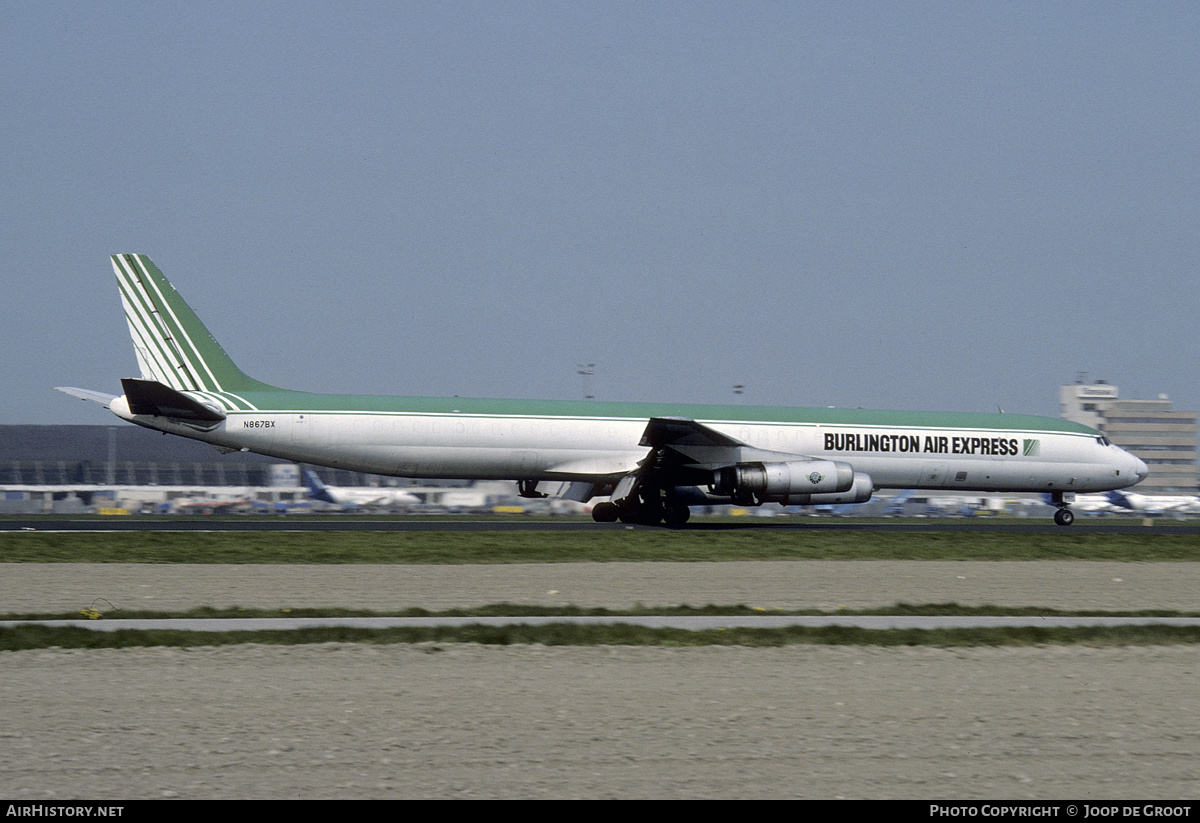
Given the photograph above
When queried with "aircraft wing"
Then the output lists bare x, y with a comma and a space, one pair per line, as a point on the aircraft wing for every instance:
683, 444
683, 431
684, 452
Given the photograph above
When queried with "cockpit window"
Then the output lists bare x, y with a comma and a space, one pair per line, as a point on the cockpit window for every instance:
1103, 441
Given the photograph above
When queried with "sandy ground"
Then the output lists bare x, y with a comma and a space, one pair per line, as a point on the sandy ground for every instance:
443, 721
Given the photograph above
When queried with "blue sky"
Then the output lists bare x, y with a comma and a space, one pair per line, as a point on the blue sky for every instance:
935, 205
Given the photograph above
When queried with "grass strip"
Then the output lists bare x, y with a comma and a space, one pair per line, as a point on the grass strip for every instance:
524, 610
625, 545
26, 638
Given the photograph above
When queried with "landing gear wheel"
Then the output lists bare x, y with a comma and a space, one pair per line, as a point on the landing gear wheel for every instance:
641, 513
1064, 517
676, 514
605, 513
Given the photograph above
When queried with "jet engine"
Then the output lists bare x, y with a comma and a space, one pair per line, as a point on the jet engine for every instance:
750, 484
859, 492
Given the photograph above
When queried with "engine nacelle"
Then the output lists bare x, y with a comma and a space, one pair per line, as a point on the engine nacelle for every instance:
750, 484
859, 492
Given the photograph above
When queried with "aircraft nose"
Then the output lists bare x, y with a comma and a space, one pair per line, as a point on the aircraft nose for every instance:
1140, 469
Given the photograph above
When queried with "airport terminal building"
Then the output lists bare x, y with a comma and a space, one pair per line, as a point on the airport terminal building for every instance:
1162, 436
73, 469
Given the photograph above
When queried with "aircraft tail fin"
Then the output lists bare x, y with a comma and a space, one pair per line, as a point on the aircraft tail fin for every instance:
316, 489
1118, 499
173, 346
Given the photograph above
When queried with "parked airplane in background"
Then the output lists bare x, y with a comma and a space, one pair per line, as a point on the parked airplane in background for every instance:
366, 497
212, 505
651, 460
1095, 504
1155, 503
895, 506
1090, 504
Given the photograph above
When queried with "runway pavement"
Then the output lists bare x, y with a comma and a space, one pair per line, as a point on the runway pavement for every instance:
1033, 525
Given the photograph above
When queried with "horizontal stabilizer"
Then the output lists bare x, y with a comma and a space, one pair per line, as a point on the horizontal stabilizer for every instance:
153, 398
103, 398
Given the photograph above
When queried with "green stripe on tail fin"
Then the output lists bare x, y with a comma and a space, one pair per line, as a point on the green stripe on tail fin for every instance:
173, 346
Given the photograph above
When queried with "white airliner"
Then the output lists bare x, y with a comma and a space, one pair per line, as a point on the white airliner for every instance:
1091, 503
1156, 503
651, 460
1095, 504
367, 497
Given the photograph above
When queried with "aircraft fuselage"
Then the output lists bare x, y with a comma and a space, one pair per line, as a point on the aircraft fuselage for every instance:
969, 452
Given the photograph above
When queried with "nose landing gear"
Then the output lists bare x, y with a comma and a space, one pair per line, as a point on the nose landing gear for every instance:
1064, 516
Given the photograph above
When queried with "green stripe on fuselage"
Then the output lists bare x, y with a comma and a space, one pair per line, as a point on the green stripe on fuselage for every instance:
292, 401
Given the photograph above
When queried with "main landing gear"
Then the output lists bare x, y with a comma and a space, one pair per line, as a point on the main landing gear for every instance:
642, 512
606, 513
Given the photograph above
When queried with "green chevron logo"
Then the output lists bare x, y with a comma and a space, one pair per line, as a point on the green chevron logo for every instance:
1033, 448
